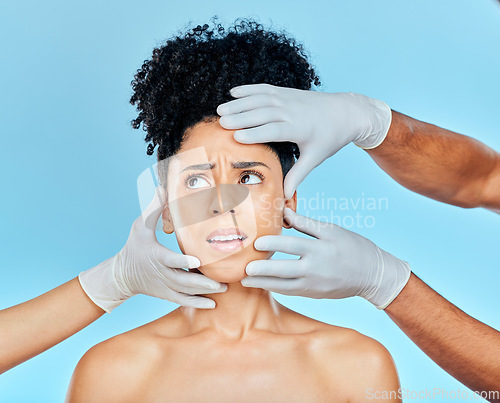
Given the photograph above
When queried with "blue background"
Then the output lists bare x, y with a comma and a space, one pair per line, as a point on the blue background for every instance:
70, 158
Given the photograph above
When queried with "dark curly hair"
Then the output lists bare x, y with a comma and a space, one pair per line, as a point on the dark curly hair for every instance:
191, 74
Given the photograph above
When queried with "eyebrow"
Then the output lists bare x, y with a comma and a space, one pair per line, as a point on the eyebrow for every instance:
236, 165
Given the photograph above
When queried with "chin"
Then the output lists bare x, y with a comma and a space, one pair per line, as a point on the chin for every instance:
228, 269
232, 268
224, 272
224, 276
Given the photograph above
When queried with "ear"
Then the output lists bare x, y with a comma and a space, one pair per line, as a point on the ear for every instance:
168, 226
292, 204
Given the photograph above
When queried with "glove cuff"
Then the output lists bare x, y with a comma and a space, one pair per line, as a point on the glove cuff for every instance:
100, 285
380, 119
394, 274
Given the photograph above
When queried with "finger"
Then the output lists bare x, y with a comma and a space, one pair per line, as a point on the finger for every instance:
246, 104
170, 258
198, 302
165, 286
255, 117
305, 224
180, 279
263, 134
284, 286
297, 174
191, 301
284, 243
289, 268
250, 89
192, 283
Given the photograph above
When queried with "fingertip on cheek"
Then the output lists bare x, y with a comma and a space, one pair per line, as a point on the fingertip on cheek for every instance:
248, 269
258, 244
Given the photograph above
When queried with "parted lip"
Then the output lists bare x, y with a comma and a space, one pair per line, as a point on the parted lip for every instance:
226, 232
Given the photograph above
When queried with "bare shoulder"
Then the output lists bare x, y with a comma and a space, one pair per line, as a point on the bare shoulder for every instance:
114, 370
364, 364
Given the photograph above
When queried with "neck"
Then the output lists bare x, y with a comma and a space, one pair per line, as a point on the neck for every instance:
240, 313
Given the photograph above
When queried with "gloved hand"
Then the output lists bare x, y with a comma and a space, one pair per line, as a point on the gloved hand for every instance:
144, 266
336, 263
320, 123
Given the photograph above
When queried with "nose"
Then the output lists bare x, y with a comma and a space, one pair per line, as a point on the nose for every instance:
206, 204
226, 198
215, 211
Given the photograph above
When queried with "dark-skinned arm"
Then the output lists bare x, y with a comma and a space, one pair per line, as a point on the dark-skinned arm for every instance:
464, 347
440, 164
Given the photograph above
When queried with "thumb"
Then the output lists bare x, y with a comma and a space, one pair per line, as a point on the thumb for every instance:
171, 259
297, 174
305, 224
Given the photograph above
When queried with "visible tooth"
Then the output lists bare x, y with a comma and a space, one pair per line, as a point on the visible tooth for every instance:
221, 238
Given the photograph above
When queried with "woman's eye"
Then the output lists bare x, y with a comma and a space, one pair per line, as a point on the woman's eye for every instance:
247, 180
197, 182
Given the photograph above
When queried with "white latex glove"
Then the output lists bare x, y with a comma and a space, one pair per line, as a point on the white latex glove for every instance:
144, 266
336, 263
320, 123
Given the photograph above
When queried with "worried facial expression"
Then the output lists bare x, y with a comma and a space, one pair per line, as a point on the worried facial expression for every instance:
221, 196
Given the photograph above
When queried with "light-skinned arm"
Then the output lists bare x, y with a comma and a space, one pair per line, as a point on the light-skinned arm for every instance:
34, 326
142, 266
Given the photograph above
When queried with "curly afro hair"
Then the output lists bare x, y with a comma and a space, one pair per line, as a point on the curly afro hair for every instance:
191, 74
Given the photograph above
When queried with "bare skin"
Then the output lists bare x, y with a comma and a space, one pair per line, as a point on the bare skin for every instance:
297, 359
440, 164
458, 170
467, 349
249, 347
24, 331
412, 154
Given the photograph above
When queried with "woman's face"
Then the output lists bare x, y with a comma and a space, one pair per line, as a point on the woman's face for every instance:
223, 195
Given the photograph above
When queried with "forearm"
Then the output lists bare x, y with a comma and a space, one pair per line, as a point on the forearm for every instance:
467, 349
439, 163
34, 326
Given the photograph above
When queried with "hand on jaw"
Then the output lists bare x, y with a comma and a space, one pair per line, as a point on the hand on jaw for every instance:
144, 266
355, 265
336, 263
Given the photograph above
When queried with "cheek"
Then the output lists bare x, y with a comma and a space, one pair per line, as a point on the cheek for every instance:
268, 213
